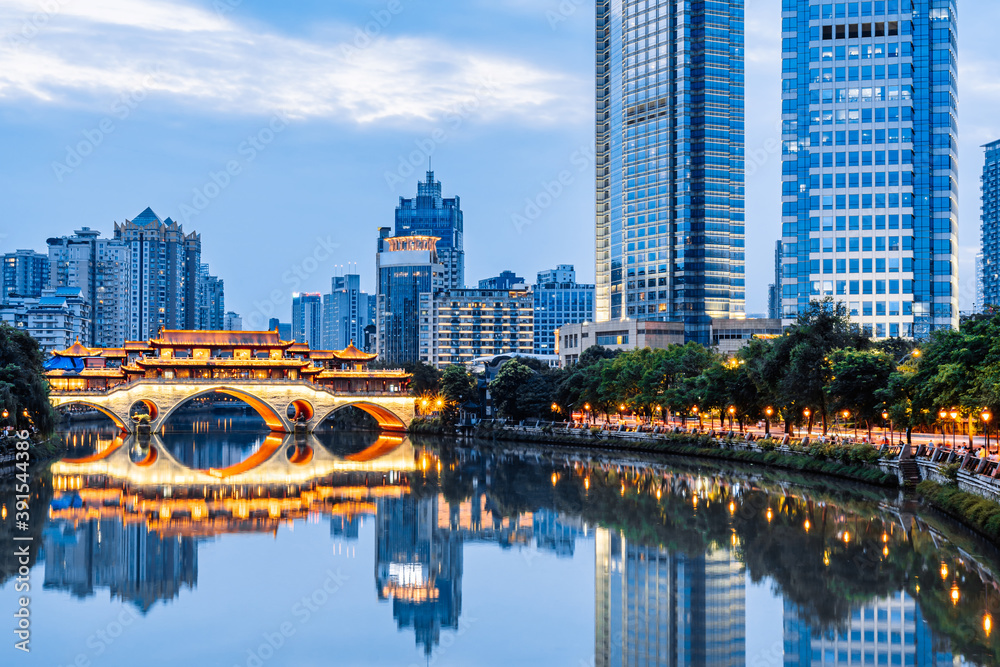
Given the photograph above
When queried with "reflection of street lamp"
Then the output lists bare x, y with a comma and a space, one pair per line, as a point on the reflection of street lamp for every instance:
767, 422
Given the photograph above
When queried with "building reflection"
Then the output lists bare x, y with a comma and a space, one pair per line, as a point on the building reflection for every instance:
135, 564
655, 607
885, 631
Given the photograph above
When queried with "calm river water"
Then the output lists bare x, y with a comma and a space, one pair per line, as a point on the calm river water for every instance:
213, 546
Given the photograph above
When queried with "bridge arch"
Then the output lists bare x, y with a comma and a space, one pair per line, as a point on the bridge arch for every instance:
260, 406
387, 419
150, 406
119, 422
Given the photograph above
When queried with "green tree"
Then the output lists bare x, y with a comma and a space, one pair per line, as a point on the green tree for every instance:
505, 386
22, 381
426, 378
457, 387
858, 382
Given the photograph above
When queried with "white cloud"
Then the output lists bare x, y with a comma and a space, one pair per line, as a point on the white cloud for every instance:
73, 52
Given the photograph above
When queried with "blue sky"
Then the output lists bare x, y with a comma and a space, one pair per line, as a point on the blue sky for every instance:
285, 132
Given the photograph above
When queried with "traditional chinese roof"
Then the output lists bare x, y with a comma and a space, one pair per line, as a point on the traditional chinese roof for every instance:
158, 362
300, 348
252, 339
351, 353
110, 352
76, 350
137, 346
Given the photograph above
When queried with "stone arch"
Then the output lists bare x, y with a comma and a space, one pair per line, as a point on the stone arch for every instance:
151, 407
387, 419
104, 410
261, 407
300, 410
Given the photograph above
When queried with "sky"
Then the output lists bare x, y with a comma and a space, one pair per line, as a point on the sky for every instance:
284, 133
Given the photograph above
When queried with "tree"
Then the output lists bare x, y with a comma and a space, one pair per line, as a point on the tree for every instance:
505, 386
426, 378
457, 387
22, 381
858, 382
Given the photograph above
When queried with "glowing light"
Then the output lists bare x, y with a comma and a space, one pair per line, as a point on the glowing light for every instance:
808, 525
955, 595
555, 478
770, 515
659, 494
944, 571
826, 558
732, 507
885, 551
586, 483
987, 623
885, 537
847, 537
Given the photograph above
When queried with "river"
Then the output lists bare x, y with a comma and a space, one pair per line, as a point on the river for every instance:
217, 545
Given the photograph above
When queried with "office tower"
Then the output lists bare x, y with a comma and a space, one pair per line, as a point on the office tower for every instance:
654, 607
774, 289
102, 270
284, 330
869, 198
874, 636
506, 280
559, 300
669, 131
980, 287
458, 326
233, 322
307, 319
429, 214
990, 271
25, 274
211, 301
407, 267
345, 313
165, 264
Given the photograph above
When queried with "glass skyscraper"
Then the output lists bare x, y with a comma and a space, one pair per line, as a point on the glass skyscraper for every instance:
430, 214
670, 166
869, 196
988, 271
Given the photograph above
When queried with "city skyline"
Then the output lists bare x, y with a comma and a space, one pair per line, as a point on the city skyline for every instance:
558, 138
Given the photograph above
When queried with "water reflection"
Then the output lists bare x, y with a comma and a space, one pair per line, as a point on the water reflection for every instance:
863, 579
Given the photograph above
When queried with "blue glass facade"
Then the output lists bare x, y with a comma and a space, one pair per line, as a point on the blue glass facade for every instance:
869, 171
430, 214
406, 268
559, 300
988, 271
25, 274
670, 165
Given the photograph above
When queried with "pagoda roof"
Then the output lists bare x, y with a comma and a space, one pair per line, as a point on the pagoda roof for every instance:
110, 352
252, 339
156, 362
136, 346
299, 347
351, 353
76, 350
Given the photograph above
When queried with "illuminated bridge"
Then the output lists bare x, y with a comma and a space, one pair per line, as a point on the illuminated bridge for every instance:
289, 385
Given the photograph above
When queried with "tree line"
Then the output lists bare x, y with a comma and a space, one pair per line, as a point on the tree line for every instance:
823, 371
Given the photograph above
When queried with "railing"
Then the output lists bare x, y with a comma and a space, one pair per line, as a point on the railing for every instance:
125, 386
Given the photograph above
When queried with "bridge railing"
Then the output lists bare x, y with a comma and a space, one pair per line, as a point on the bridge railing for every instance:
219, 381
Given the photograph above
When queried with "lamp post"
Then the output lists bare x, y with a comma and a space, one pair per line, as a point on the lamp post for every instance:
885, 418
731, 411
986, 416
846, 414
954, 426
943, 415
767, 422
809, 426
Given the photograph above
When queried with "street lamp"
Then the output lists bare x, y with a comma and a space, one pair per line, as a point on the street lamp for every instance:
806, 414
885, 418
986, 416
943, 415
954, 426
731, 411
767, 422
586, 412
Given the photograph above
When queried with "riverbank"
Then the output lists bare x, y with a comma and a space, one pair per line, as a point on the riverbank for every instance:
41, 449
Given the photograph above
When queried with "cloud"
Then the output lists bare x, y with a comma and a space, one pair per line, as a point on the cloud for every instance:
63, 52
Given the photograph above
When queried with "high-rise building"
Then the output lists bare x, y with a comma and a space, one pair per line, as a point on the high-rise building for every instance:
990, 273
233, 322
307, 319
407, 267
874, 636
56, 319
165, 265
429, 214
506, 280
211, 301
670, 166
25, 274
559, 300
284, 330
458, 326
655, 607
774, 289
980, 286
346, 312
102, 270
869, 198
